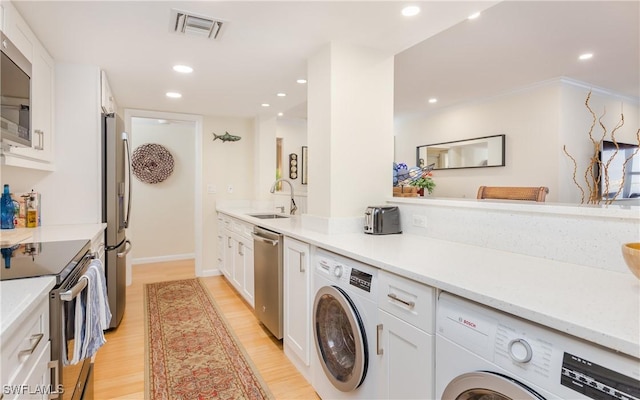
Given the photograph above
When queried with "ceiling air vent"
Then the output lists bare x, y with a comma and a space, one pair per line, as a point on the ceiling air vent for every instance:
188, 23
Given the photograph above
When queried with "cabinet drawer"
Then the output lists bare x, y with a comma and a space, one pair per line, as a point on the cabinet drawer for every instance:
20, 351
33, 381
408, 300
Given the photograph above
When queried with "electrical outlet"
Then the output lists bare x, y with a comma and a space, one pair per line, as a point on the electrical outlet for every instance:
419, 220
211, 189
229, 188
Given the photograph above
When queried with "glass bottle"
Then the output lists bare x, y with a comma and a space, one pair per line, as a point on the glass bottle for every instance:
7, 209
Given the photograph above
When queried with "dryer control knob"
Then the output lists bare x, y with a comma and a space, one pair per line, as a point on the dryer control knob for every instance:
520, 350
337, 271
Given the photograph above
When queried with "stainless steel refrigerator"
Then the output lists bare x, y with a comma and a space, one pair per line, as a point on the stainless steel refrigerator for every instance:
116, 206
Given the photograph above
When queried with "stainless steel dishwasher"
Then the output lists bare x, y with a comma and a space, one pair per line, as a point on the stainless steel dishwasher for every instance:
268, 278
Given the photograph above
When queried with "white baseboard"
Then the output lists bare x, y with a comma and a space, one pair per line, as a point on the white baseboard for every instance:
173, 257
210, 272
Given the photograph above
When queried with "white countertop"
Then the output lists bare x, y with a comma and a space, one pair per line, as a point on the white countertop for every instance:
19, 296
593, 304
54, 233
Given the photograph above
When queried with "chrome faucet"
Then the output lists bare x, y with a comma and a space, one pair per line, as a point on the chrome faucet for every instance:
293, 203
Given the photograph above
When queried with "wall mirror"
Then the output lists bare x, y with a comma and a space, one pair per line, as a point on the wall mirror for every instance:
487, 151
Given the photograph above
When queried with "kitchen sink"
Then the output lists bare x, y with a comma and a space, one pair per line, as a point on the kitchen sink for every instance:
268, 216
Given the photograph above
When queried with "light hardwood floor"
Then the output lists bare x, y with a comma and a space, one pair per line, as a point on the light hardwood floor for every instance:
120, 363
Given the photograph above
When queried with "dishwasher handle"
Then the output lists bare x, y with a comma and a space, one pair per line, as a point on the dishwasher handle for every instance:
265, 240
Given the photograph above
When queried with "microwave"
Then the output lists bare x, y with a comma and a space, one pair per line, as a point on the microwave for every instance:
15, 95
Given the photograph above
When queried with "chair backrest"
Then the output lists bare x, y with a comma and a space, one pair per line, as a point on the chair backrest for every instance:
513, 193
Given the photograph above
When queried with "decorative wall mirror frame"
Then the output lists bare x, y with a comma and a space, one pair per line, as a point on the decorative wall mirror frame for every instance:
481, 152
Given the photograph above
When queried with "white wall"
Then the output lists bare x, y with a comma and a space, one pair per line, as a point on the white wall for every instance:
162, 218
224, 164
72, 193
537, 122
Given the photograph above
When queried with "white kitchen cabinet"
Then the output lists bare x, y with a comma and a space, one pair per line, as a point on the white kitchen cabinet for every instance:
41, 153
236, 255
107, 100
228, 255
297, 298
26, 354
406, 316
407, 360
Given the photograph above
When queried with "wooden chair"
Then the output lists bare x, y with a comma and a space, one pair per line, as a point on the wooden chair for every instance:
513, 193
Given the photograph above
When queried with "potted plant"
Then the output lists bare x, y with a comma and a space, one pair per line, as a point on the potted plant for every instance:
423, 183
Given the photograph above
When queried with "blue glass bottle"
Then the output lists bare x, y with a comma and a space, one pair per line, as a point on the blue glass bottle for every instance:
7, 209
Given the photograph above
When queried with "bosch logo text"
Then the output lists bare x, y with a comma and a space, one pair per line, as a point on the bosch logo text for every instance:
466, 322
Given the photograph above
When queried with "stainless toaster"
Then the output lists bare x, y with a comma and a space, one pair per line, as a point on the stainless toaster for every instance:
382, 220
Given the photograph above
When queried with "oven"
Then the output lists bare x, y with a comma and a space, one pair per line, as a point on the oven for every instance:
67, 261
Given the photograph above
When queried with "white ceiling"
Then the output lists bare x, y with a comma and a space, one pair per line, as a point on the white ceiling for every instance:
264, 45
517, 44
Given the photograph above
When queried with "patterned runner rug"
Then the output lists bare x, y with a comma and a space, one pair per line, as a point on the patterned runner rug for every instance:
191, 351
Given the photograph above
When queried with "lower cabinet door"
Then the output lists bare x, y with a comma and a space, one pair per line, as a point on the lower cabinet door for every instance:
229, 256
248, 287
297, 282
407, 370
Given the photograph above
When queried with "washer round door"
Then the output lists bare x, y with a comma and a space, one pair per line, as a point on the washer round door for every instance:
340, 338
484, 385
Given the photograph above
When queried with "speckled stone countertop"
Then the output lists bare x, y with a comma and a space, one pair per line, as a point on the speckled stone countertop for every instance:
597, 305
19, 297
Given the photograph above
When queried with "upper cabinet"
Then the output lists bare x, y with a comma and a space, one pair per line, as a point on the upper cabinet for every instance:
108, 102
41, 153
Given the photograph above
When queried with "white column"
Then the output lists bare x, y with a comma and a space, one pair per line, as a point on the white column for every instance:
350, 130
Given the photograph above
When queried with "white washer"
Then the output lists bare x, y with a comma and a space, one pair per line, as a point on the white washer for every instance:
484, 353
344, 319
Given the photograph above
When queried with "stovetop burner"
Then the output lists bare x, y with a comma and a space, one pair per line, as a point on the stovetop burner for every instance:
30, 260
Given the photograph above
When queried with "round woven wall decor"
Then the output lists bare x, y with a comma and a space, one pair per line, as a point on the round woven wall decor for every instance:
151, 163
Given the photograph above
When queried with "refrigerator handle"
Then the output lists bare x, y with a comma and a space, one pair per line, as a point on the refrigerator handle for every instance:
125, 139
127, 244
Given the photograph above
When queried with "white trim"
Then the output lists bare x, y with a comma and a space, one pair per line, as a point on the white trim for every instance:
173, 257
198, 120
211, 272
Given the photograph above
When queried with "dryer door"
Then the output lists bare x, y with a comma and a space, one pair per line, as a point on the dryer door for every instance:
487, 385
340, 338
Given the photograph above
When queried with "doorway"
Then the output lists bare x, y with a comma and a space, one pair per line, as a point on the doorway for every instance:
166, 215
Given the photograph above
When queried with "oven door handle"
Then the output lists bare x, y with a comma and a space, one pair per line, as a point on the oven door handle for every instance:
75, 290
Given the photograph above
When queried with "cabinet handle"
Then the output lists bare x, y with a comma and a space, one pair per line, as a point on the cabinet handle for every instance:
302, 262
35, 341
55, 366
379, 350
40, 134
393, 296
241, 248
229, 242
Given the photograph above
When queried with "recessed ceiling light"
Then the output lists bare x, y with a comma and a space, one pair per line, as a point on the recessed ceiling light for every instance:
163, 121
433, 100
280, 114
301, 81
281, 94
184, 69
585, 56
173, 95
265, 104
410, 11
474, 15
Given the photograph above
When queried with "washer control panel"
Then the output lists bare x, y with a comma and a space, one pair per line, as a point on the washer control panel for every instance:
596, 381
345, 271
